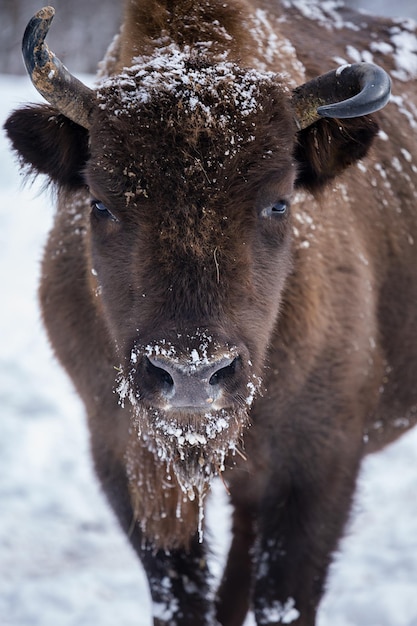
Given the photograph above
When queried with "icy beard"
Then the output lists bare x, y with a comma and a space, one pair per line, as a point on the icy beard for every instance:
172, 459
172, 456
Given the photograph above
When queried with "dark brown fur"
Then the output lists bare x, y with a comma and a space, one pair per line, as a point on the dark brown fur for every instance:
320, 302
186, 23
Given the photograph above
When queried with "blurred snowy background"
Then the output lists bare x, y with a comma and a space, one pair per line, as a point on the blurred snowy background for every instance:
63, 560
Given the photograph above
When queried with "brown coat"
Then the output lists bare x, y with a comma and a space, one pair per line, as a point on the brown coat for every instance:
232, 294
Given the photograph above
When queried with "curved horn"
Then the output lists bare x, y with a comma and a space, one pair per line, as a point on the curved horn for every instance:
50, 77
350, 91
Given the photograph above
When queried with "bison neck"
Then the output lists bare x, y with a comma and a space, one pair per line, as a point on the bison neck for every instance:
150, 24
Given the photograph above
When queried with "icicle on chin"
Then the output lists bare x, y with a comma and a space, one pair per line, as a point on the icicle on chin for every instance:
171, 466
195, 478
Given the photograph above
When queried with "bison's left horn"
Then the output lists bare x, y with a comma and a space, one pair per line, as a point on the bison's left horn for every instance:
50, 77
350, 91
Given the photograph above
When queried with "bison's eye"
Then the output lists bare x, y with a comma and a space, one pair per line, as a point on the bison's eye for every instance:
100, 211
277, 209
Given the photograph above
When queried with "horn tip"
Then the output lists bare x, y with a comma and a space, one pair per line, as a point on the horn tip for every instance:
46, 13
34, 52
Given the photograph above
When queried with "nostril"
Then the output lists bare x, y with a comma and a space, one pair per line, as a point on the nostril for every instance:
225, 373
160, 376
173, 383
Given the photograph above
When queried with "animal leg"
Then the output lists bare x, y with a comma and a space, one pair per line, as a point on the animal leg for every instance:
297, 536
233, 598
178, 579
178, 582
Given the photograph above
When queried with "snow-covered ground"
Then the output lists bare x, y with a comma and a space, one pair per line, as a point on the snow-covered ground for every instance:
63, 560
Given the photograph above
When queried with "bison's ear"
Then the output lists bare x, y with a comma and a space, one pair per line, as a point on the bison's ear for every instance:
329, 146
49, 143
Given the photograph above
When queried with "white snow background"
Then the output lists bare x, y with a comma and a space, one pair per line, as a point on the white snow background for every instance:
63, 559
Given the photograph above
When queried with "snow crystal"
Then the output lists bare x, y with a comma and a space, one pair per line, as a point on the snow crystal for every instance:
381, 46
273, 49
410, 115
283, 613
382, 172
408, 157
340, 61
252, 392
396, 164
383, 135
405, 41
304, 218
402, 422
189, 360
354, 54
359, 55
304, 231
267, 33
402, 46
165, 611
363, 259
325, 12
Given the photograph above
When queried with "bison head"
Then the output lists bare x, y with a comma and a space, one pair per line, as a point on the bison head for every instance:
187, 168
190, 173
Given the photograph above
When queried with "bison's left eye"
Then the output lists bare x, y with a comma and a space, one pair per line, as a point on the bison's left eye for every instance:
100, 210
276, 209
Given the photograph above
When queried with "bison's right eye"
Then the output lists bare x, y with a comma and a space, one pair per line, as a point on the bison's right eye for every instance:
100, 211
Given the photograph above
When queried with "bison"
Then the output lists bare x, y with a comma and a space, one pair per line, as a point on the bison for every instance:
231, 279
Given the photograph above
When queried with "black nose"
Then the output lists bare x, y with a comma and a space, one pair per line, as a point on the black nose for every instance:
195, 384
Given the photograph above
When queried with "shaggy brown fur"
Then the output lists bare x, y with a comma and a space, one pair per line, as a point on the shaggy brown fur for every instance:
177, 277
185, 23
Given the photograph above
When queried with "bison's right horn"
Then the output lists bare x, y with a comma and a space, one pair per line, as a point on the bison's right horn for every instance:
350, 91
50, 77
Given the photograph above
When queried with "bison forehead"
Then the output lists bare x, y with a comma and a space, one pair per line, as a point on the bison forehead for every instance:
185, 97
196, 82
175, 123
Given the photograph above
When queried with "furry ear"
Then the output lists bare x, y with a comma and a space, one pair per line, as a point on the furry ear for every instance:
329, 146
49, 143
